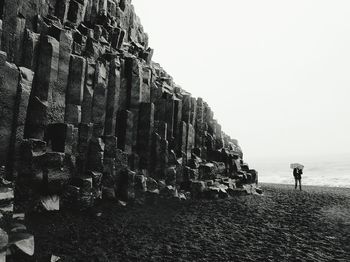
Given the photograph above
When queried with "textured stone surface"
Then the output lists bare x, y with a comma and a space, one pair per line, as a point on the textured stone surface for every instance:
161, 128
177, 123
144, 136
84, 137
43, 104
66, 42
125, 130
30, 52
76, 11
95, 155
182, 138
111, 146
75, 89
160, 156
86, 114
23, 94
55, 173
84, 106
31, 152
113, 95
199, 123
9, 81
133, 72
186, 108
190, 142
100, 98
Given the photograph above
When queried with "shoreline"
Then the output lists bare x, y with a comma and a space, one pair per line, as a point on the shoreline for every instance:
283, 224
305, 185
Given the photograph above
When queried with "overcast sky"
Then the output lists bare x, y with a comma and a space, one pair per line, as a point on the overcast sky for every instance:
275, 72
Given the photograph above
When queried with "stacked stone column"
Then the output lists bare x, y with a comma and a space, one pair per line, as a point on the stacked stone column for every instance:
82, 102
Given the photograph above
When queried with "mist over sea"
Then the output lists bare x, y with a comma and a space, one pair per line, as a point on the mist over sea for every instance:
333, 171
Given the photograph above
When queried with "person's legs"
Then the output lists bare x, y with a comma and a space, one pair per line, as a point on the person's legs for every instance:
300, 184
296, 183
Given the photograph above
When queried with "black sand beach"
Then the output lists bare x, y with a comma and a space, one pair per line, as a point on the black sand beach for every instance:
282, 225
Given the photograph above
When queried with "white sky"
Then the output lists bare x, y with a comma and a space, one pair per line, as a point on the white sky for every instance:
275, 72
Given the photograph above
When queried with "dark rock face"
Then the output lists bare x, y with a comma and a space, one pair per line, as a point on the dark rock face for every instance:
75, 89
85, 115
85, 112
9, 81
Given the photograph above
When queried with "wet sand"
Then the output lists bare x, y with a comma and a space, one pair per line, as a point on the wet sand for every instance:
282, 225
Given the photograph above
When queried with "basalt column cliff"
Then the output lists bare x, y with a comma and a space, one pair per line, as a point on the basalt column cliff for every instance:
86, 114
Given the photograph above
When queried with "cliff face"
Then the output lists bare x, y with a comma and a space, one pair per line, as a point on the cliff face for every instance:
84, 109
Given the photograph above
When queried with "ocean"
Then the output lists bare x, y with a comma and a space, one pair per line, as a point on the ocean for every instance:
332, 171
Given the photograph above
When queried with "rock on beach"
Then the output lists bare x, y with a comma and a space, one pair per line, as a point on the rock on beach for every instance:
282, 225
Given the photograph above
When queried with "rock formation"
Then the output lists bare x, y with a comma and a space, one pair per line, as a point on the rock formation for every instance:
85, 113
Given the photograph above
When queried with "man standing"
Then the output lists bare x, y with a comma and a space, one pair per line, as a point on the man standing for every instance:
297, 172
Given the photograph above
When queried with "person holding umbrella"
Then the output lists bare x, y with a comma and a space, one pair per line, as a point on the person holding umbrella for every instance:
297, 172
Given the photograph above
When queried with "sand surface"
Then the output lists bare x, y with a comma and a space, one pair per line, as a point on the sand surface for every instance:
282, 225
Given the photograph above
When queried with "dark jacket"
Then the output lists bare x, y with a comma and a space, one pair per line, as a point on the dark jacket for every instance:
297, 173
